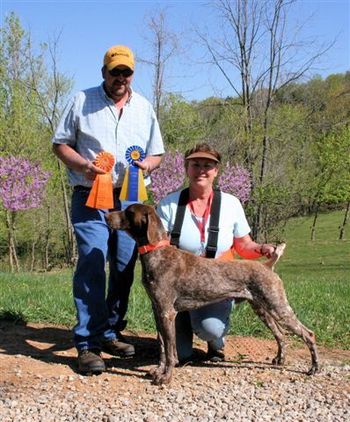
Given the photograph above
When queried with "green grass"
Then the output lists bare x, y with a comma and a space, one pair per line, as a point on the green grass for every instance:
44, 297
316, 277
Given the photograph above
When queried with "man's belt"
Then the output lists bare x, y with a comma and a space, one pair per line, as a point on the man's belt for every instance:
81, 188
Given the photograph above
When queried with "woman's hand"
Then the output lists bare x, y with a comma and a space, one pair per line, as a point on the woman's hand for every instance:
266, 249
248, 249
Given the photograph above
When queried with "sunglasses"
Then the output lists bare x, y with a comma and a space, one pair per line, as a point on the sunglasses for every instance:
124, 72
206, 166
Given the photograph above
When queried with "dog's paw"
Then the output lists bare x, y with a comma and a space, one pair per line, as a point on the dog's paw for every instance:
160, 375
162, 379
278, 360
313, 370
154, 372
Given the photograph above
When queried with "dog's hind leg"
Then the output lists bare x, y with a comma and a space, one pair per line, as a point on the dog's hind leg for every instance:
293, 325
277, 332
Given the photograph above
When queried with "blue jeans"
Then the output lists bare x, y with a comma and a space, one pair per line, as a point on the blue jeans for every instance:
98, 316
210, 323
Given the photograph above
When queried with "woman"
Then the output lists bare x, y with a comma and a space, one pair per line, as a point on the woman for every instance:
211, 322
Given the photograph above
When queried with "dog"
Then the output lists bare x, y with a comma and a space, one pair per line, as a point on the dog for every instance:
177, 281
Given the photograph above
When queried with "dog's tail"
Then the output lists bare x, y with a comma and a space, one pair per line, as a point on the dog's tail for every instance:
275, 256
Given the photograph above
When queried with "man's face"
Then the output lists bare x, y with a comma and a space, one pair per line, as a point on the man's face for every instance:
117, 81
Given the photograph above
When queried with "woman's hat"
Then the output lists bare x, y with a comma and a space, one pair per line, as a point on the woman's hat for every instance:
200, 154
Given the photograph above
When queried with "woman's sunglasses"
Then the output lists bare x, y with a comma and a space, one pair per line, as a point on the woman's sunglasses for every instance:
124, 72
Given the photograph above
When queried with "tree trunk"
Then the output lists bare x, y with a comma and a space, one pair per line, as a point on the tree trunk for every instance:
70, 236
10, 222
342, 227
32, 262
47, 240
313, 227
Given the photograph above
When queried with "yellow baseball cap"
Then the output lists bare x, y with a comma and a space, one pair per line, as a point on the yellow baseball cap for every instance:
119, 55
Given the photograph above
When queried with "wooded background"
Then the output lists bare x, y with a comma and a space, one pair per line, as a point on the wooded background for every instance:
290, 131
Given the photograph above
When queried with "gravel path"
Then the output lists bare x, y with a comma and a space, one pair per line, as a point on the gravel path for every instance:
228, 392
40, 384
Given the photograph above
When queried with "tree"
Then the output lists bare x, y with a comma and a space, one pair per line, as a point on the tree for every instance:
22, 185
182, 125
254, 49
163, 47
170, 177
332, 178
30, 100
50, 88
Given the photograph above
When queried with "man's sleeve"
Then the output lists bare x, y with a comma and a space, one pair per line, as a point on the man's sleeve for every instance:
66, 130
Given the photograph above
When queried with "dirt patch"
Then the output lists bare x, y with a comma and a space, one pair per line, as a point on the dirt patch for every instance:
33, 352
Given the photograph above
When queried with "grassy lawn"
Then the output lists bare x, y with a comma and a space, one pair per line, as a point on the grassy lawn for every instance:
316, 276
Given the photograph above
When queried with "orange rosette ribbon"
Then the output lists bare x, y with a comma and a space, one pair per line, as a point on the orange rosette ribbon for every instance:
101, 194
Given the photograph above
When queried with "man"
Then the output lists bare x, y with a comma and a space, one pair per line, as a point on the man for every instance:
110, 117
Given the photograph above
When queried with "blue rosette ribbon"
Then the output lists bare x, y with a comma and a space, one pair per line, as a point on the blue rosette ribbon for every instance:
133, 188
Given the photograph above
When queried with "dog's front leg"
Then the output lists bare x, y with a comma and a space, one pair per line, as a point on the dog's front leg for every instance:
155, 372
163, 374
160, 369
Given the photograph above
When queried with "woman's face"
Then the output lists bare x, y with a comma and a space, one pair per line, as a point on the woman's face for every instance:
202, 171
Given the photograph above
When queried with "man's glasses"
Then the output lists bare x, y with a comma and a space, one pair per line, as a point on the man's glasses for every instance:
124, 72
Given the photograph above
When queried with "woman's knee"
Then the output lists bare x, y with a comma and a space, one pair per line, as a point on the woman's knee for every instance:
211, 322
210, 329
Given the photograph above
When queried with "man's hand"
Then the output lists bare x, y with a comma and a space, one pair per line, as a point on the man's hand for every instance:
90, 171
144, 166
150, 163
76, 162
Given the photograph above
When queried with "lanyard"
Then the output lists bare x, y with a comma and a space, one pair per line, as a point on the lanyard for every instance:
202, 223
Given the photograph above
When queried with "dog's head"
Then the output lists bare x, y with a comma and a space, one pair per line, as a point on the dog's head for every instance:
140, 221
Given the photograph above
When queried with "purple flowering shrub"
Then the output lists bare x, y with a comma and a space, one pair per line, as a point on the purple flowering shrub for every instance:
22, 183
235, 180
169, 176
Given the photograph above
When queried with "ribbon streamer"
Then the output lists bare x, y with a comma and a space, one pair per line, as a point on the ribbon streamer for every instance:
133, 188
101, 193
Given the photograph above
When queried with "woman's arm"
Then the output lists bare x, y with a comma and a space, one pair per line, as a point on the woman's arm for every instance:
248, 249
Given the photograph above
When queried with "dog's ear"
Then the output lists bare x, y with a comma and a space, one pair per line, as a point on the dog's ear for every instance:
153, 233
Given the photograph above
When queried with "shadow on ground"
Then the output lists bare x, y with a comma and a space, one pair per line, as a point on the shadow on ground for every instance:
51, 344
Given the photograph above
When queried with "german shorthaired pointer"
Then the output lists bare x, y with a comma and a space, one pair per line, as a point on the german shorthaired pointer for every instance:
177, 280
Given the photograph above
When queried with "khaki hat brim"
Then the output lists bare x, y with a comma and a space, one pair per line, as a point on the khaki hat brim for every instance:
202, 155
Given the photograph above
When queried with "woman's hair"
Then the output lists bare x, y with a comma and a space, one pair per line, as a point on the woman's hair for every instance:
206, 149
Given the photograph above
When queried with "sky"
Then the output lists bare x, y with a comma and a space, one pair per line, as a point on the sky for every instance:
88, 28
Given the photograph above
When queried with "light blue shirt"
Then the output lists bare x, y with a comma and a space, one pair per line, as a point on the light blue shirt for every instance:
232, 223
91, 123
